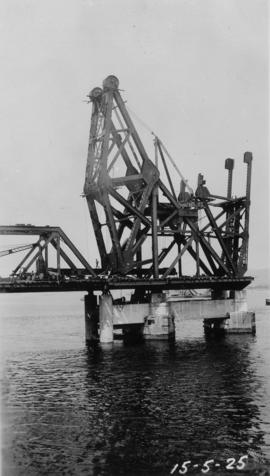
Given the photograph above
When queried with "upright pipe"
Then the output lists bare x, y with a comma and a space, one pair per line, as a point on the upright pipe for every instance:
229, 165
244, 249
154, 232
248, 161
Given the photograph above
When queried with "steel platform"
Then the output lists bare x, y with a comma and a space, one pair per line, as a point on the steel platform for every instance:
15, 285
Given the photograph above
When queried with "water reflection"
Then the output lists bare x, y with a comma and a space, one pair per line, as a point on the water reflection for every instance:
194, 400
129, 410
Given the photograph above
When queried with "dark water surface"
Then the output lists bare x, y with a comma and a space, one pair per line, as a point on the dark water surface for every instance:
130, 410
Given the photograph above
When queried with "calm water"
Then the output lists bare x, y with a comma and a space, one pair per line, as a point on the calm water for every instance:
129, 410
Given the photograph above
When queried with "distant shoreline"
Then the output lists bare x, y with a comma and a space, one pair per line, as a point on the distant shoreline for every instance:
260, 286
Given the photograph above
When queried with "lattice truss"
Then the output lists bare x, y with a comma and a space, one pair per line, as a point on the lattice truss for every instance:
52, 246
143, 225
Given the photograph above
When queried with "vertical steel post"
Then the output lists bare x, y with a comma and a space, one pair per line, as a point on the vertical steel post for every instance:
248, 161
58, 254
46, 259
229, 165
154, 232
244, 249
197, 258
180, 259
154, 220
156, 156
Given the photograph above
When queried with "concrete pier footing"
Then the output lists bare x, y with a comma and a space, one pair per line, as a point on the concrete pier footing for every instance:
238, 319
159, 324
106, 318
224, 313
91, 318
241, 323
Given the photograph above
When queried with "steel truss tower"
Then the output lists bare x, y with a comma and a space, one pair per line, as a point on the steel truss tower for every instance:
145, 227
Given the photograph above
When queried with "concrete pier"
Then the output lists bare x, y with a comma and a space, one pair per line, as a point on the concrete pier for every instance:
241, 323
223, 313
238, 319
106, 318
159, 324
91, 318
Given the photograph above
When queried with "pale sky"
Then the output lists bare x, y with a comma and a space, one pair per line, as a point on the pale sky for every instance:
195, 71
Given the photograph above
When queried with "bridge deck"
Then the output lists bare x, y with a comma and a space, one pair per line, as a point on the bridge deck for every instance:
11, 285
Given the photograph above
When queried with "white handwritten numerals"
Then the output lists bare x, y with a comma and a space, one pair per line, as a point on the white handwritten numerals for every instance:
206, 466
230, 464
183, 469
240, 464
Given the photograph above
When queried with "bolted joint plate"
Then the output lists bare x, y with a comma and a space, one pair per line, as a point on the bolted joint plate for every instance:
150, 172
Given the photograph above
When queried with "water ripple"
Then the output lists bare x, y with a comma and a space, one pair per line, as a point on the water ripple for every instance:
136, 410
